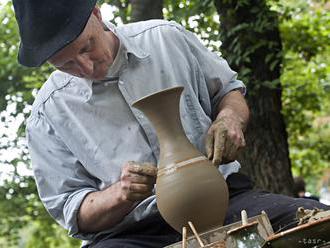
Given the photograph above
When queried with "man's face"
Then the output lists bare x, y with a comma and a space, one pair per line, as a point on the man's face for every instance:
91, 54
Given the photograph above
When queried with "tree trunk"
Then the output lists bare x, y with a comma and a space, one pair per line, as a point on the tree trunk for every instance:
146, 9
252, 46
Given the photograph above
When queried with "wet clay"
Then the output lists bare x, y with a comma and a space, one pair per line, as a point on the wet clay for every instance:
188, 186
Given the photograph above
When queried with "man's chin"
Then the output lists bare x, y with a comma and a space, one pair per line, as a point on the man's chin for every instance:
100, 75
96, 78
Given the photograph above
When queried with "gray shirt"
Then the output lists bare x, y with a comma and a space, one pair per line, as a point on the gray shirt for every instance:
80, 133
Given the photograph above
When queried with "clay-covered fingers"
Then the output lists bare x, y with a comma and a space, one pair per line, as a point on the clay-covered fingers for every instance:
233, 145
224, 141
220, 140
147, 169
137, 180
215, 142
135, 191
209, 144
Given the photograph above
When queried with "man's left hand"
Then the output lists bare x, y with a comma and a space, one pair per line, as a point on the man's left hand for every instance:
225, 138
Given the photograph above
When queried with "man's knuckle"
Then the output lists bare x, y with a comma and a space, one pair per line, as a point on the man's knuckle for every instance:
233, 134
125, 197
125, 185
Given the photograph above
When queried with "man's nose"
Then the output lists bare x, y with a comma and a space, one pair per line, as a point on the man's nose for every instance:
85, 65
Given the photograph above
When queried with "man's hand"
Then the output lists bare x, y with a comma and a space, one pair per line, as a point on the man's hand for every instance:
101, 210
225, 137
137, 181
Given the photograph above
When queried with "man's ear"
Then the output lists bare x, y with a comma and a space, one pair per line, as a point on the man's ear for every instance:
97, 12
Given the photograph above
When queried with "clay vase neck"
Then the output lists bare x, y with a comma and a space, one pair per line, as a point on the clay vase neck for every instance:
188, 186
162, 109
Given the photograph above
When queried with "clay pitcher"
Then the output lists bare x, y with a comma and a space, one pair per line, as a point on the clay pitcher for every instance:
188, 186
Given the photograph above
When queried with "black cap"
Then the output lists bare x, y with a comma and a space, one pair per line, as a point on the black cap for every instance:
46, 26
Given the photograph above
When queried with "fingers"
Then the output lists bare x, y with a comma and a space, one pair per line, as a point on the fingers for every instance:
139, 173
133, 196
134, 191
147, 169
219, 145
137, 178
224, 141
234, 144
230, 151
137, 181
209, 141
233, 147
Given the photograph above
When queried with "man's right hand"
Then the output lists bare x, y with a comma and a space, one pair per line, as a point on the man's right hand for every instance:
101, 210
137, 181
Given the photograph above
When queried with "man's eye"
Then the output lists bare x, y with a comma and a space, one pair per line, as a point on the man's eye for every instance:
86, 48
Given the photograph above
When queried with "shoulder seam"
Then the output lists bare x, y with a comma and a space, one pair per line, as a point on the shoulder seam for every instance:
44, 100
167, 23
57, 89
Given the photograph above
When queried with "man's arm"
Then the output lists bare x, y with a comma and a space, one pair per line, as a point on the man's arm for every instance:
104, 209
225, 137
234, 104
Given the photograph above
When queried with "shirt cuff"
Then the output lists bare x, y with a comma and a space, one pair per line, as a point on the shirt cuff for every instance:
232, 85
229, 168
71, 209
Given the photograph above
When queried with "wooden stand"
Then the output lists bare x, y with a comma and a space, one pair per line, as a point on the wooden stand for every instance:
216, 237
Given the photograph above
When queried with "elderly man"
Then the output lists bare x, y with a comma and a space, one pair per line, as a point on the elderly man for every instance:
94, 157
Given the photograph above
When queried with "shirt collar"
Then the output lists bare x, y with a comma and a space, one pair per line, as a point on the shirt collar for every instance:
131, 47
119, 63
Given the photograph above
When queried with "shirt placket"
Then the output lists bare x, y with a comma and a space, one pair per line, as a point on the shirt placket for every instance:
142, 120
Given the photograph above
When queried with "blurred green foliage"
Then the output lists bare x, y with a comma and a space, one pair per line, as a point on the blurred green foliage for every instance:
24, 222
305, 32
305, 78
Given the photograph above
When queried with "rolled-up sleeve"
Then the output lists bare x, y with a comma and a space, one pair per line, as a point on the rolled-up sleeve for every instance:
220, 79
61, 179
